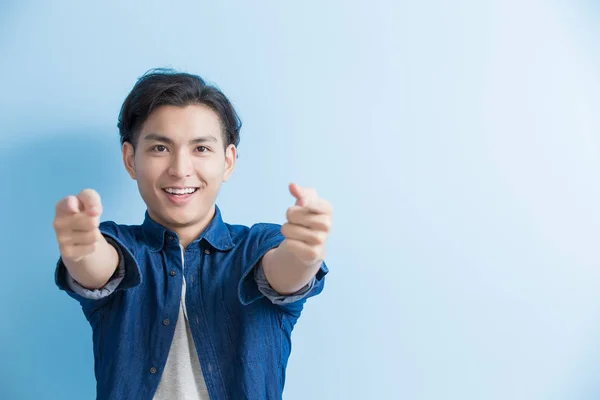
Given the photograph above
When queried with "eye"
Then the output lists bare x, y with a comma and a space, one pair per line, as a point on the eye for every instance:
202, 149
159, 148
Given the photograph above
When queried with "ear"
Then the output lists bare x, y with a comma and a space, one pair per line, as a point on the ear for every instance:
129, 159
230, 159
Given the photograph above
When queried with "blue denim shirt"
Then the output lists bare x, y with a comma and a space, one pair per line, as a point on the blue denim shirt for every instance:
243, 339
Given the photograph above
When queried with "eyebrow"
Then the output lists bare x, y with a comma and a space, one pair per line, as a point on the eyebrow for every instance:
160, 138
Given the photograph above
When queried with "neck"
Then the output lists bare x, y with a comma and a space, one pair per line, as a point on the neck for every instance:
188, 233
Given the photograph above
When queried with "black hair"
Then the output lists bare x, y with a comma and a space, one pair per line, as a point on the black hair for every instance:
165, 86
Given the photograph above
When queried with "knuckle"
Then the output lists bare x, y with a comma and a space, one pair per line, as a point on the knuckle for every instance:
320, 224
320, 238
88, 238
313, 252
92, 237
78, 238
67, 252
63, 242
91, 223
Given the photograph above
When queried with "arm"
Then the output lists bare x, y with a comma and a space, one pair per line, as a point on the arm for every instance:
286, 273
291, 266
111, 286
95, 270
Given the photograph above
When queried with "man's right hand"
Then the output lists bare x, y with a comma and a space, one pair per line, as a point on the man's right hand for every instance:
77, 223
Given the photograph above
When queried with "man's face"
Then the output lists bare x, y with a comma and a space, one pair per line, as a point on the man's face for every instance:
179, 164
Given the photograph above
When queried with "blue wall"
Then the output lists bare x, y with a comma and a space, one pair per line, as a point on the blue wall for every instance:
458, 142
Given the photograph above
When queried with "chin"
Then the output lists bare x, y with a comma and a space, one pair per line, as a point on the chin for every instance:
182, 219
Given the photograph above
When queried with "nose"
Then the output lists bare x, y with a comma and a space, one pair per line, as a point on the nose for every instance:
181, 165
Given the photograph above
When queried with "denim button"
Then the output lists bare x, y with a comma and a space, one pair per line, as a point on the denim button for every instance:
166, 321
170, 238
173, 273
152, 370
207, 251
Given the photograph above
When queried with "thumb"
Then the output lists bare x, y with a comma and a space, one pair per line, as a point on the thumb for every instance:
90, 202
68, 206
298, 192
303, 195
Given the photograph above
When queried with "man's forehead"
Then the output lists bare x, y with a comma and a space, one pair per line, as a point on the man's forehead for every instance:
190, 123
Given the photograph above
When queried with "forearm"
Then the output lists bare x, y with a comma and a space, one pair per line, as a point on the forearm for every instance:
285, 272
95, 269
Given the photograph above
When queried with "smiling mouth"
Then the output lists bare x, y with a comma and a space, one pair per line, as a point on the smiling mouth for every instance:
180, 191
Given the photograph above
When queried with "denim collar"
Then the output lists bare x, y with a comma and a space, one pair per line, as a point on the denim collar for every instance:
216, 233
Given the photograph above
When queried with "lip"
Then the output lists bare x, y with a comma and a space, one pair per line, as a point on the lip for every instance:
179, 199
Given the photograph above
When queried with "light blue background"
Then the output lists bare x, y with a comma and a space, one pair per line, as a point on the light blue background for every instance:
458, 141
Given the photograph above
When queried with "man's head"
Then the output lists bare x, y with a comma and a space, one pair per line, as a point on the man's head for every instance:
179, 138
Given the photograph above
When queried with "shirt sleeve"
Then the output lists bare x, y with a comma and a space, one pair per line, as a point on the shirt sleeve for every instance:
109, 288
265, 288
124, 278
262, 238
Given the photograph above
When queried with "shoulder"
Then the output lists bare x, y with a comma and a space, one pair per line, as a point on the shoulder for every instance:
258, 232
129, 235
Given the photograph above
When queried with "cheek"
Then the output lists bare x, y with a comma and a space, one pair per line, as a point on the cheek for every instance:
210, 170
147, 173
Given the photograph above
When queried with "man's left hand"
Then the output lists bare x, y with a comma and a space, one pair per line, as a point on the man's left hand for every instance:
308, 225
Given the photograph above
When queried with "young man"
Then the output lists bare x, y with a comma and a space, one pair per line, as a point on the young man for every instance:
185, 306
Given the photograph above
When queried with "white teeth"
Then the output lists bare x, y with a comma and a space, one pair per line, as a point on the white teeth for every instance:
180, 191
